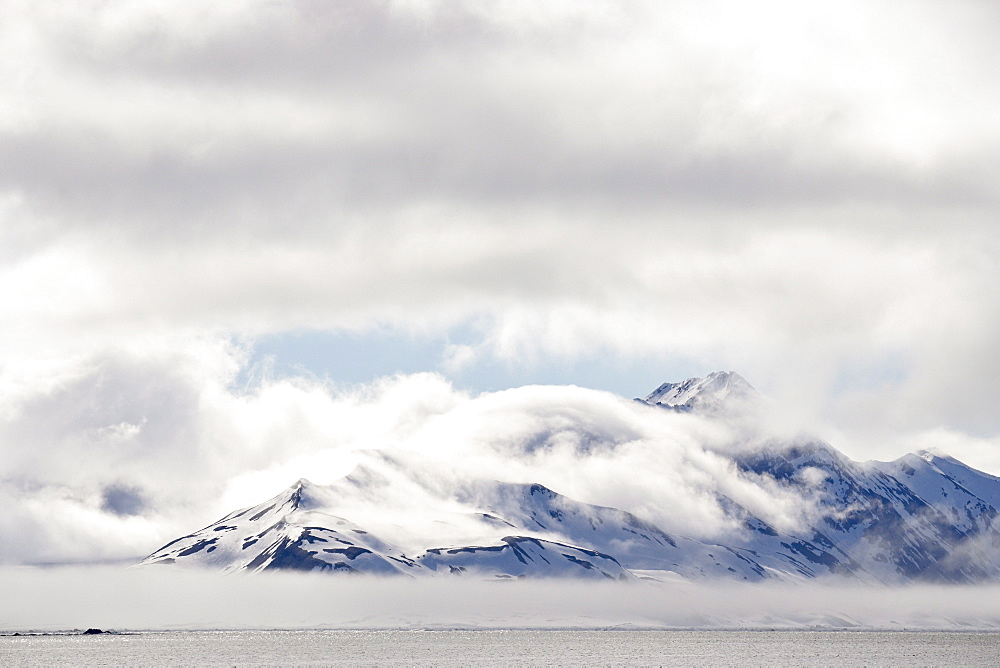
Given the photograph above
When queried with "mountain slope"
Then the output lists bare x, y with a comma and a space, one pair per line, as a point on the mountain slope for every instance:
521, 556
295, 531
287, 532
903, 520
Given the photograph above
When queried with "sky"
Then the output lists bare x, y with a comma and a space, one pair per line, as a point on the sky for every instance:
238, 239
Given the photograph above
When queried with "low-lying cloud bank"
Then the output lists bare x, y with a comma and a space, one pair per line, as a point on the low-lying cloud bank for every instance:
113, 598
110, 456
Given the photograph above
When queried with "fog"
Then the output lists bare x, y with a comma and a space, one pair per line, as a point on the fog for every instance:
59, 599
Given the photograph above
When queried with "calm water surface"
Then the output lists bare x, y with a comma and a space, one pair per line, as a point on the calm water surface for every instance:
505, 648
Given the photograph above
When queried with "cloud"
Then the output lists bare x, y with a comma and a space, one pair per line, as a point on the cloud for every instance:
803, 194
147, 442
123, 500
139, 446
286, 109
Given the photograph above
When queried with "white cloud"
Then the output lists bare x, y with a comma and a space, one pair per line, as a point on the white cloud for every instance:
801, 193
142, 445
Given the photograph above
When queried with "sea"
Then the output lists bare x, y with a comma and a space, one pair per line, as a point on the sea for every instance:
504, 648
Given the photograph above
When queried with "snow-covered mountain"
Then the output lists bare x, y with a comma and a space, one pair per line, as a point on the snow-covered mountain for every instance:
718, 389
297, 530
905, 520
922, 517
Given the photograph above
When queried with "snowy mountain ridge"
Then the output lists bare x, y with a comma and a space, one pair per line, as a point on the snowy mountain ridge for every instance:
716, 390
921, 518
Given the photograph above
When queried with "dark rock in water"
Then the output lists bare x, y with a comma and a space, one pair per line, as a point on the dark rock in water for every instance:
92, 632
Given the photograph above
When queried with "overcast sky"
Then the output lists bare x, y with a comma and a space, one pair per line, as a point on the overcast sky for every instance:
221, 223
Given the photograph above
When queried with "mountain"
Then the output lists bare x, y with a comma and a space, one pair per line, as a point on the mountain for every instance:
920, 518
905, 520
296, 530
717, 390
289, 531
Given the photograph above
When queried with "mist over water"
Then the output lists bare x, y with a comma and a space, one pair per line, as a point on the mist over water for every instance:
54, 599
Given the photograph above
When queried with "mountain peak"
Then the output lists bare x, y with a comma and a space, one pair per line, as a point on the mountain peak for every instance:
710, 392
933, 456
301, 494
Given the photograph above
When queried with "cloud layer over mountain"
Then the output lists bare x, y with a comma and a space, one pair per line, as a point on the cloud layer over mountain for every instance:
133, 452
805, 194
